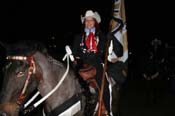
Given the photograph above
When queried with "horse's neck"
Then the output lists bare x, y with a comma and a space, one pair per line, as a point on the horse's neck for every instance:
50, 78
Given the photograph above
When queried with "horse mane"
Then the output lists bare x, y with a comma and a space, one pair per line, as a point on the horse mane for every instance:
26, 48
30, 47
56, 65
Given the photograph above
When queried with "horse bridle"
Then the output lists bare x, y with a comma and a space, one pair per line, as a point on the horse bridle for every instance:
31, 70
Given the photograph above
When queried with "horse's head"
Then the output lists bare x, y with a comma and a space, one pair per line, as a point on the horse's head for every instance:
19, 82
29, 62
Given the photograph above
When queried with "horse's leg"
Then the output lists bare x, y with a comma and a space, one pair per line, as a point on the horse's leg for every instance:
115, 100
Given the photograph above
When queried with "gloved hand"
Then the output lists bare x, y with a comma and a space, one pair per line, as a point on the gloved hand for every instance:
68, 53
110, 49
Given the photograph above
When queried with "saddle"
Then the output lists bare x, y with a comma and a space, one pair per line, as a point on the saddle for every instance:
88, 73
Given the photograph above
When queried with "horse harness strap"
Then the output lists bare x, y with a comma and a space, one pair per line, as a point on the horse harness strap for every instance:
68, 108
31, 70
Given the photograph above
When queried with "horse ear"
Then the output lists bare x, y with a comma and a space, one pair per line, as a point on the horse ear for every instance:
41, 47
3, 53
3, 46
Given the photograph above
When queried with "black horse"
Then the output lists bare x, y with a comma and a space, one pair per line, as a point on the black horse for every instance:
30, 68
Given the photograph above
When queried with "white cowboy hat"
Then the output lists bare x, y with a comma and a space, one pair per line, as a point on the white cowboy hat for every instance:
90, 13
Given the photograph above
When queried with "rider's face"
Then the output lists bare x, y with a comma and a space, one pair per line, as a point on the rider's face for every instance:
89, 22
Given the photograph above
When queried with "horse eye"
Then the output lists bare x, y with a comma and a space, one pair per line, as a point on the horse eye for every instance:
20, 74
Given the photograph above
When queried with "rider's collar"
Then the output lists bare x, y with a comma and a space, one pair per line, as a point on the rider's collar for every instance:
87, 30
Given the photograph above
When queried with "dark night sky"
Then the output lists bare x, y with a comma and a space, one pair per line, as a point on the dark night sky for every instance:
42, 19
39, 19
